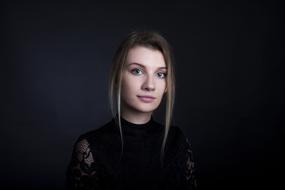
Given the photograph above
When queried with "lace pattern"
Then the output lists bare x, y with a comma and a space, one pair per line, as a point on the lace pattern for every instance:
180, 173
81, 173
189, 171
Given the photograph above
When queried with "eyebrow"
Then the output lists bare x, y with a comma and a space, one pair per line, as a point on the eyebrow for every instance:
143, 65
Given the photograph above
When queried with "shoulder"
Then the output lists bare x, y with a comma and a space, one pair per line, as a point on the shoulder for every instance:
178, 141
96, 133
177, 134
100, 138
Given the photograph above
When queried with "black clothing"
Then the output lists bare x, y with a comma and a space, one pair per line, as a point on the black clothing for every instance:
96, 164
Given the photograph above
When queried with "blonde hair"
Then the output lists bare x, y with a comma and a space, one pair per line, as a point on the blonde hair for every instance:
152, 40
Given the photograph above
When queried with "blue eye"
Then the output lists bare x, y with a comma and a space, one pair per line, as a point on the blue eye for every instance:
135, 71
162, 74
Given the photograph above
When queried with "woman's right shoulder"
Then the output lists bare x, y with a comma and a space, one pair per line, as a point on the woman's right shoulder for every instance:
96, 133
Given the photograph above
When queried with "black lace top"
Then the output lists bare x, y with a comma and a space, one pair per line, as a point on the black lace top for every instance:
96, 164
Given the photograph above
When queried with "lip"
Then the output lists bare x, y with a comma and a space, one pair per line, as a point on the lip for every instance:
146, 99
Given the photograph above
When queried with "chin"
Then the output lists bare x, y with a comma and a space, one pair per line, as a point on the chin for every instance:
146, 108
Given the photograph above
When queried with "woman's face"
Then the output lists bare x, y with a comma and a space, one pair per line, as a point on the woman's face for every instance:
144, 74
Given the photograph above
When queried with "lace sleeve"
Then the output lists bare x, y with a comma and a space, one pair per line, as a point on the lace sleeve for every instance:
81, 172
180, 172
189, 171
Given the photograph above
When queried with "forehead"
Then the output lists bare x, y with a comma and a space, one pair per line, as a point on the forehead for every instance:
147, 57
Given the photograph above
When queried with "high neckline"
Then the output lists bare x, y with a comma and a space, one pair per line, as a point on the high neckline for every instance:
138, 132
126, 123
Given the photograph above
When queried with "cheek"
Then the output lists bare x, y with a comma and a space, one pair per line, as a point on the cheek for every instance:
162, 87
132, 82
129, 85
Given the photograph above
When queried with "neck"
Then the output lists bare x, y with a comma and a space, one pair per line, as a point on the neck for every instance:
136, 118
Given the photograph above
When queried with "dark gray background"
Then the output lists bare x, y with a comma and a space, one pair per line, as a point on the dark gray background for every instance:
230, 85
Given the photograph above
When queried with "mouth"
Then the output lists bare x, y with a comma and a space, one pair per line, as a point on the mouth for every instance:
146, 99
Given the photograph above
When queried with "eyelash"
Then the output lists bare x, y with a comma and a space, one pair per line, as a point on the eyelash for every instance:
164, 73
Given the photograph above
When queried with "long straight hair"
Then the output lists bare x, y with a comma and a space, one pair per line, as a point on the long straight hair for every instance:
155, 41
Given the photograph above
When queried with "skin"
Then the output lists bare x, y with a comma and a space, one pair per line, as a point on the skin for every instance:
144, 79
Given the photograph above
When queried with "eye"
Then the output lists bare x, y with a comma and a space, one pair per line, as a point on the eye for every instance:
162, 74
135, 71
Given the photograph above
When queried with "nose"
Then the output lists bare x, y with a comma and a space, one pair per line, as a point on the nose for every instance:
149, 84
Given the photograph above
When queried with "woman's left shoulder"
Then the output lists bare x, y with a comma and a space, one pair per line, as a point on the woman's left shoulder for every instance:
177, 145
178, 140
176, 133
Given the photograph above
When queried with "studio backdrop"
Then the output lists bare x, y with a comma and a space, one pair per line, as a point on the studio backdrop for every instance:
229, 61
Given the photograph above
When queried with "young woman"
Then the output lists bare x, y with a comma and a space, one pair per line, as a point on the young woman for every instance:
133, 151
